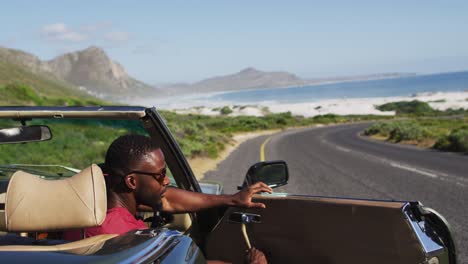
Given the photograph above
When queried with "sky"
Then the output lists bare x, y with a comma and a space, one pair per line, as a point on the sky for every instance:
187, 41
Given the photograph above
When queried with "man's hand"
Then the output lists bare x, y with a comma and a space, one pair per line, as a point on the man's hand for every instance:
244, 197
255, 256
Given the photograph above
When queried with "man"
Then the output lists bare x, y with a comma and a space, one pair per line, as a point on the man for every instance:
135, 172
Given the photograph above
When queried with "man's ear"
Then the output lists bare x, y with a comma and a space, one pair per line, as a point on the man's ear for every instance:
130, 181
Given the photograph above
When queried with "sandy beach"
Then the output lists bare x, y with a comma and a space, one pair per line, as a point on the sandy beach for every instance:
354, 106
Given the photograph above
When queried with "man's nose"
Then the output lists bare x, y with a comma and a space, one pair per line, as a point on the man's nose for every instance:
166, 181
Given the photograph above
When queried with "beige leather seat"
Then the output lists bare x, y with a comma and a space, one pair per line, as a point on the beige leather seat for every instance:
34, 204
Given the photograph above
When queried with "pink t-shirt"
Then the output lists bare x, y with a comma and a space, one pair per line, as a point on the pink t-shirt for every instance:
118, 221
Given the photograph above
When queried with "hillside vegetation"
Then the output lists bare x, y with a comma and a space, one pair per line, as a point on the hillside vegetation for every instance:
22, 87
442, 130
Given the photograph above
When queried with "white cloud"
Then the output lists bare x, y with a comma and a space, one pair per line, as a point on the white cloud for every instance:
96, 26
100, 33
118, 36
60, 31
53, 29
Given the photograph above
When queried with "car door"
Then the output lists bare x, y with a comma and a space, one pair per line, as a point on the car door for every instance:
306, 229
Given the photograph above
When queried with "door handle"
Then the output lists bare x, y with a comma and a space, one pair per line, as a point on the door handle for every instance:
244, 218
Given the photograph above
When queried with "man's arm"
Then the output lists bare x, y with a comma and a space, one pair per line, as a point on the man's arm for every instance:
181, 201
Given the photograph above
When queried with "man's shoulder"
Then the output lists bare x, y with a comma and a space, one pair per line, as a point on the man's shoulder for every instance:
118, 221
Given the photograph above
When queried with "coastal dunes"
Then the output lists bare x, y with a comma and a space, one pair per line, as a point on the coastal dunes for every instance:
343, 106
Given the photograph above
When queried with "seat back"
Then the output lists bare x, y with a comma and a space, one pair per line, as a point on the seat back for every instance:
36, 204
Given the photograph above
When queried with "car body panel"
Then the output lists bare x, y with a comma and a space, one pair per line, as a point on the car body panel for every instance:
302, 229
139, 246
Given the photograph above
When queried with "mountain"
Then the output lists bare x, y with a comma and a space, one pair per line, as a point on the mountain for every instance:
97, 73
89, 70
249, 78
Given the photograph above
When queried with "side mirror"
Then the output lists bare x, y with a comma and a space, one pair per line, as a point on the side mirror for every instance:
272, 173
25, 134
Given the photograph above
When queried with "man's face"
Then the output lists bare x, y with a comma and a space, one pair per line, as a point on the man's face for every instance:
151, 179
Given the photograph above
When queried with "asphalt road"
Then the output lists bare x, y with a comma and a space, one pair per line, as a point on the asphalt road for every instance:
336, 161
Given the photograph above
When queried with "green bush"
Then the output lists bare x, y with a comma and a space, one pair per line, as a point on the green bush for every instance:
414, 107
328, 119
456, 141
442, 143
406, 131
380, 128
225, 110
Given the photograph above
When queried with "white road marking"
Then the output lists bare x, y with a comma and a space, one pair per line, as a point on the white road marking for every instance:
342, 149
428, 173
404, 167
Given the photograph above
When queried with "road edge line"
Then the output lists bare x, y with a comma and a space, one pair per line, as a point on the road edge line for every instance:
262, 149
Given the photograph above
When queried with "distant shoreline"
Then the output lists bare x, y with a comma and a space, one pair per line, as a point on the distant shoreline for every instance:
312, 83
352, 106
321, 95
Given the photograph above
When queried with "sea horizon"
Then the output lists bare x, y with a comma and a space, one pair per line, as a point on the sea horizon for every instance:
380, 88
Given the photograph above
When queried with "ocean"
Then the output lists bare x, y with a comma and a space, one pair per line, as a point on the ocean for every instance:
404, 86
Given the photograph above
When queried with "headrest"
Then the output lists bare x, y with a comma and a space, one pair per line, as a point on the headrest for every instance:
36, 204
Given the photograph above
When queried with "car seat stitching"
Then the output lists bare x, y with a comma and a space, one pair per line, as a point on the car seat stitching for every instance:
70, 183
13, 210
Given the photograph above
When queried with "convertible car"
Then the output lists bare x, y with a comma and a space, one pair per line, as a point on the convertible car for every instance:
50, 182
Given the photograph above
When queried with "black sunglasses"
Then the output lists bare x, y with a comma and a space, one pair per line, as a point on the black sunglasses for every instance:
156, 176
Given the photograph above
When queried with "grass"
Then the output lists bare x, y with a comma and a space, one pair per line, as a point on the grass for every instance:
444, 134
75, 143
426, 127
206, 136
20, 94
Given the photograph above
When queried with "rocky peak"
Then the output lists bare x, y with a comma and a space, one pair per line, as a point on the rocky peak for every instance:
93, 49
250, 71
91, 67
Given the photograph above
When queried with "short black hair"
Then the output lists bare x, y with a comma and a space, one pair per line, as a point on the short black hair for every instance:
123, 153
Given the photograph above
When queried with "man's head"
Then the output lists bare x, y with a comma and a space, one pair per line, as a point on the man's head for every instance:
135, 165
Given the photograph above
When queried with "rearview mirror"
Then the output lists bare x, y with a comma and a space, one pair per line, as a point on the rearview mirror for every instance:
272, 173
25, 134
